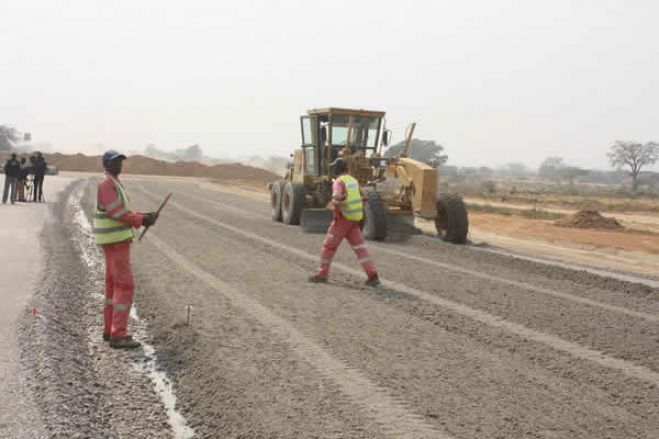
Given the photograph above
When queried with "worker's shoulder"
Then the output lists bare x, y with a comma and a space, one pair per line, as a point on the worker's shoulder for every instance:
105, 182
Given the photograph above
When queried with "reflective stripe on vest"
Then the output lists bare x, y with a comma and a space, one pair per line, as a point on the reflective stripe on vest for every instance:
108, 230
352, 207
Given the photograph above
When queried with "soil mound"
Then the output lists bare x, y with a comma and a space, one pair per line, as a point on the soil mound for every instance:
589, 219
146, 165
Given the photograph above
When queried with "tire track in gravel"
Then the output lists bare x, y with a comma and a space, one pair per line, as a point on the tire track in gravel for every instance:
463, 377
391, 415
455, 268
574, 349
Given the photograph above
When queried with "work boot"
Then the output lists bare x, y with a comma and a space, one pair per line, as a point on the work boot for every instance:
372, 281
124, 343
318, 279
106, 337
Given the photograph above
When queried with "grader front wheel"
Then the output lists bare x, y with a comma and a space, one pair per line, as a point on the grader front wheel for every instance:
375, 217
292, 202
276, 195
452, 223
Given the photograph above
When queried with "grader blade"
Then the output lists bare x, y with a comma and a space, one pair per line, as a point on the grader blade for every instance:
316, 220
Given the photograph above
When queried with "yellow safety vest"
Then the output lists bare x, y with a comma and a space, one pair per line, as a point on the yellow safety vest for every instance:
352, 207
108, 230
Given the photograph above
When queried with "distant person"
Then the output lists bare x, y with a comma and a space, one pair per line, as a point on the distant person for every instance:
113, 227
39, 169
12, 172
22, 179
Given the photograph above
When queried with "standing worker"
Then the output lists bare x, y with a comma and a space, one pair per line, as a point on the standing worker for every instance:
12, 172
22, 179
113, 227
39, 169
348, 202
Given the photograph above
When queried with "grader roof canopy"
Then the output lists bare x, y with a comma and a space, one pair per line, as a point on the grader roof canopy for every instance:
345, 111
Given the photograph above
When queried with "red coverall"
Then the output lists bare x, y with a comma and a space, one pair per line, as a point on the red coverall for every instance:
343, 228
119, 287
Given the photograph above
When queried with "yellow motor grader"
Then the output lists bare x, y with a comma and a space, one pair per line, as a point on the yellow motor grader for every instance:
397, 188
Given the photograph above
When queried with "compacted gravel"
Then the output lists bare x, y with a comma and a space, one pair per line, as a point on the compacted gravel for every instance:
455, 343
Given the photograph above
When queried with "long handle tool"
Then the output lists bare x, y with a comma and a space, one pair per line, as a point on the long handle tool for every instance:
158, 213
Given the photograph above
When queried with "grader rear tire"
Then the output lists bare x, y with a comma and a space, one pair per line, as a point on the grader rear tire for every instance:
375, 218
292, 202
276, 195
452, 222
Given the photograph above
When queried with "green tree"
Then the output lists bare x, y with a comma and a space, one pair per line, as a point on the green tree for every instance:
514, 170
427, 151
8, 136
625, 154
550, 168
570, 173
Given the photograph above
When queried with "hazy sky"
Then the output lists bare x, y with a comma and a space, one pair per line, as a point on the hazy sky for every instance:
493, 81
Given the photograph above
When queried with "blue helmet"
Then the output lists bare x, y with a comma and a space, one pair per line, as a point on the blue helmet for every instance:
110, 155
339, 166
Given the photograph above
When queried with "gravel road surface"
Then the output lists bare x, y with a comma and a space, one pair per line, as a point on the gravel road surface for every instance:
455, 343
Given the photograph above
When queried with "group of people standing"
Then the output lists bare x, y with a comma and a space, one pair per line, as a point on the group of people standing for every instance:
17, 170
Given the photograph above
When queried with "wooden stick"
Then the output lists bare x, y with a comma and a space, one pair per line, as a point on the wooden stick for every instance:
157, 213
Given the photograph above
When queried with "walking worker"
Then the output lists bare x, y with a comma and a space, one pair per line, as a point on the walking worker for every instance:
348, 201
12, 172
114, 225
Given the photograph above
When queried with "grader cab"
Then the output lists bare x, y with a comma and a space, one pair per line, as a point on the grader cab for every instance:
397, 187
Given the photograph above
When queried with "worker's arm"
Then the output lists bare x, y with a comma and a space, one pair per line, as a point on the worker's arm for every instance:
339, 193
109, 201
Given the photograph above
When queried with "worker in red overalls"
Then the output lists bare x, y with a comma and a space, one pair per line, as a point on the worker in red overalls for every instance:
114, 225
348, 201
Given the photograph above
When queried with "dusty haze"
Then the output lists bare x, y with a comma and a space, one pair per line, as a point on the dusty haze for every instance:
492, 81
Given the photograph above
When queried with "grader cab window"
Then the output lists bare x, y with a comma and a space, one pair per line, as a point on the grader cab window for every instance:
307, 133
363, 134
309, 144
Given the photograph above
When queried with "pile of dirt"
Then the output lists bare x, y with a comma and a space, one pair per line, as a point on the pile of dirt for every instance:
148, 166
589, 219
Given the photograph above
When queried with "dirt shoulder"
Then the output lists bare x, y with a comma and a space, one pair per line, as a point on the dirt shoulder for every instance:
642, 221
631, 251
21, 264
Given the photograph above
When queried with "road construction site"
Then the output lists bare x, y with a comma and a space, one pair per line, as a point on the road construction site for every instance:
457, 342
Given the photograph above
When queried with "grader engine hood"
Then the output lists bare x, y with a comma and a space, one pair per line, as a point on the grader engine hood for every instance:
419, 183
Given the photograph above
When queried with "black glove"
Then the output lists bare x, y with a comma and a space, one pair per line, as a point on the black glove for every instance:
149, 219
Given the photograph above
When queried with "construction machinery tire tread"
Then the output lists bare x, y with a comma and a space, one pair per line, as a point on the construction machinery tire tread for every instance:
293, 201
452, 222
375, 217
276, 195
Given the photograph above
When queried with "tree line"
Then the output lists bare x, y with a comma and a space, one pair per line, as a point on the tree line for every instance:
628, 156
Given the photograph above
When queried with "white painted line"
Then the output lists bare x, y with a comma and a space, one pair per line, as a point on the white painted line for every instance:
578, 351
394, 418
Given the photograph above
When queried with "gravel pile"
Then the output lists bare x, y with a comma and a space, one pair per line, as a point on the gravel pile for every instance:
589, 219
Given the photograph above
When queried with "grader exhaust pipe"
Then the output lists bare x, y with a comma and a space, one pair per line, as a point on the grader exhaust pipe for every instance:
408, 139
